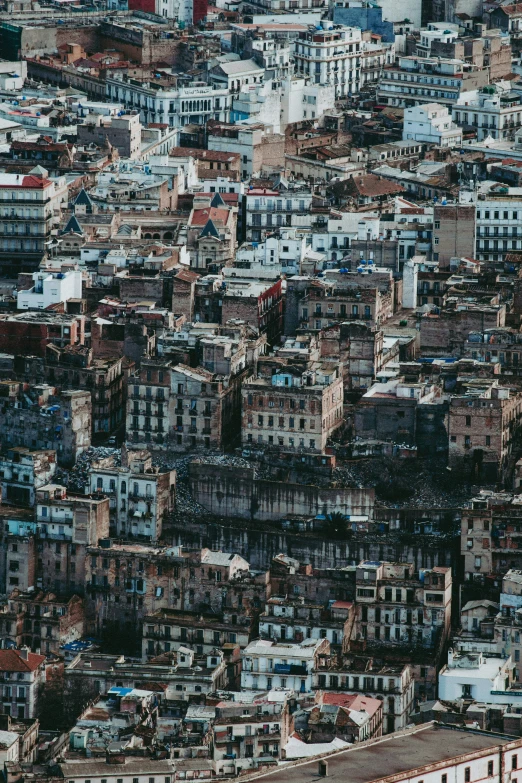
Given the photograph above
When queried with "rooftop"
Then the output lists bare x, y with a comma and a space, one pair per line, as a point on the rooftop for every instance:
394, 754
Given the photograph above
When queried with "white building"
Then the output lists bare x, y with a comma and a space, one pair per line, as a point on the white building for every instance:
331, 57
284, 252
267, 665
473, 676
268, 209
342, 228
22, 673
416, 80
494, 111
139, 494
432, 123
50, 288
172, 106
432, 752
436, 32
9, 747
498, 219
234, 75
258, 103
303, 100
27, 203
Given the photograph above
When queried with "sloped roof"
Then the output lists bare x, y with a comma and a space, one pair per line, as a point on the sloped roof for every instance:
73, 225
210, 230
370, 185
83, 199
12, 661
217, 201
200, 217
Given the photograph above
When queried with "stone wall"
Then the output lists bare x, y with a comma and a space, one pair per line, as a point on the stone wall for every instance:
235, 492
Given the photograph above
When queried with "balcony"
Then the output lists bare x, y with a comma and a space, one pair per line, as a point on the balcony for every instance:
289, 668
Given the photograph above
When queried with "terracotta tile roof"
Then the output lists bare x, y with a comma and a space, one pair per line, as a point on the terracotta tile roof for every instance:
352, 701
201, 216
187, 275
511, 10
12, 661
370, 185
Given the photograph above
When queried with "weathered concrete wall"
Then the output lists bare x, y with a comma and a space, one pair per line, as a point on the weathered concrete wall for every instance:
233, 492
260, 546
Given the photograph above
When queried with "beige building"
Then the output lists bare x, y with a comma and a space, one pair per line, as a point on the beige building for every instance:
123, 132
292, 409
453, 232
482, 425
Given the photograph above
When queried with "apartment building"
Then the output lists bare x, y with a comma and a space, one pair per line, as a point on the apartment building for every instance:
293, 409
244, 732
140, 494
46, 549
186, 675
122, 132
331, 56
148, 403
490, 536
50, 288
22, 472
430, 751
392, 683
205, 408
493, 111
396, 606
361, 297
268, 209
267, 664
287, 619
486, 679
260, 147
40, 417
413, 80
349, 717
498, 215
482, 425
162, 101
27, 218
41, 620
166, 629
432, 123
21, 675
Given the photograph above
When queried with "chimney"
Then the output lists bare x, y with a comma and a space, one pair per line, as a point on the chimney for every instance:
322, 769
24, 653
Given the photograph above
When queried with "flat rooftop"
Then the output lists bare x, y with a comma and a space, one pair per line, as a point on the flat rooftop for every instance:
395, 754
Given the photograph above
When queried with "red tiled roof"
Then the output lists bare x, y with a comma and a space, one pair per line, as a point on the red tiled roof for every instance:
188, 275
231, 198
511, 10
352, 701
12, 661
201, 216
371, 185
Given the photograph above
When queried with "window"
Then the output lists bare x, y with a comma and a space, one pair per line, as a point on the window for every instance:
490, 769
514, 761
443, 779
467, 774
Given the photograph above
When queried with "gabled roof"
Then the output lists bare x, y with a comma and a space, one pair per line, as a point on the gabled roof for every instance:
210, 230
73, 225
12, 661
217, 201
83, 199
